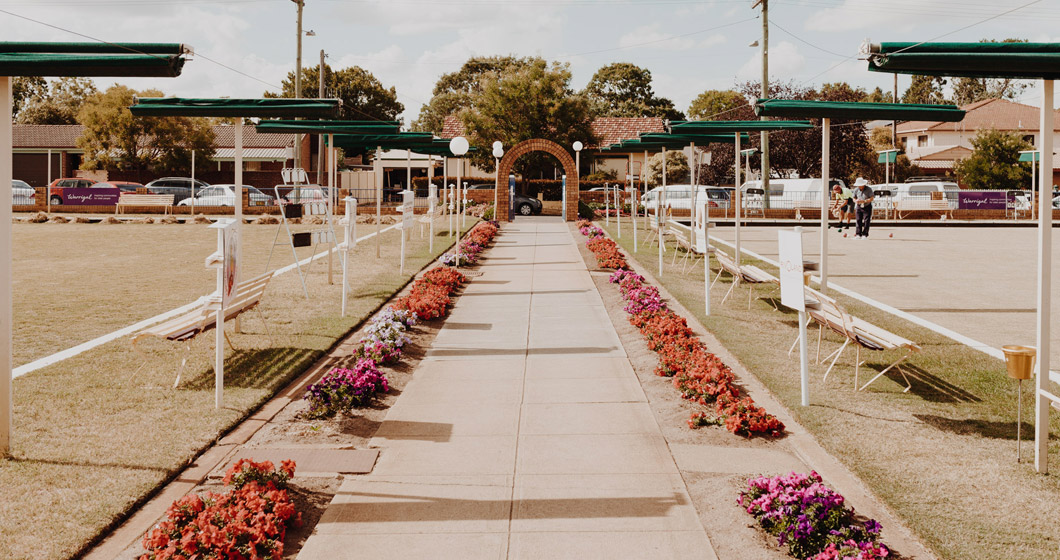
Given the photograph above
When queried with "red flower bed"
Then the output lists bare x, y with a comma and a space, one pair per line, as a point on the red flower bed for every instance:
607, 253
744, 418
246, 523
429, 296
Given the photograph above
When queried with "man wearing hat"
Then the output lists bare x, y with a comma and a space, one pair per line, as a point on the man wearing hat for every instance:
863, 197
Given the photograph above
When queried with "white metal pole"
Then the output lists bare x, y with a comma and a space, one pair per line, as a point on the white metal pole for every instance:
739, 197
6, 171
607, 204
1045, 267
706, 256
348, 240
1034, 181
378, 200
192, 183
47, 189
238, 204
826, 150
408, 186
577, 174
618, 208
804, 353
219, 335
462, 203
496, 183
660, 213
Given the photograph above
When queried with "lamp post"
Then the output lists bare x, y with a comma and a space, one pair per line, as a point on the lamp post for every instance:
498, 153
459, 146
577, 171
298, 81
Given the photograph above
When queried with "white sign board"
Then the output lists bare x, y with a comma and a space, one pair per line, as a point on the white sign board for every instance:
227, 241
792, 292
700, 225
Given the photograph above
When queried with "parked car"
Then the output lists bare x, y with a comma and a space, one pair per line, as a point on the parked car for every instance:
307, 193
480, 186
123, 186
225, 195
526, 206
179, 187
680, 196
55, 189
21, 192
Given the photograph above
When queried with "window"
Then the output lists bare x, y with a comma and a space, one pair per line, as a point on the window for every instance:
776, 189
921, 190
922, 140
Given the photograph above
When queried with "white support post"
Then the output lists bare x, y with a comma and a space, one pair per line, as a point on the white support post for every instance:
47, 189
607, 204
378, 200
705, 220
350, 240
618, 208
461, 202
739, 198
660, 214
826, 150
6, 172
1045, 267
237, 324
192, 180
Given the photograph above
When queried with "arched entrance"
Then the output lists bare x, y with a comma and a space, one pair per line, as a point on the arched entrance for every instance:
537, 145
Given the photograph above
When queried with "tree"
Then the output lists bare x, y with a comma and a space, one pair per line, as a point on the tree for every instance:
926, 89
520, 104
114, 138
901, 169
676, 168
877, 96
970, 90
994, 162
457, 90
715, 104
622, 89
24, 88
363, 96
57, 104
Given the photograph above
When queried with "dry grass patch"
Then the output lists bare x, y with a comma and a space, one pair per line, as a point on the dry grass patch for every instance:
91, 439
943, 455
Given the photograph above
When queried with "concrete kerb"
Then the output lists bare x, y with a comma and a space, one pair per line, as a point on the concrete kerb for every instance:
802, 442
145, 512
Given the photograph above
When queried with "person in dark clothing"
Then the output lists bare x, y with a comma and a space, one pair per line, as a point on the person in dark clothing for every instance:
863, 197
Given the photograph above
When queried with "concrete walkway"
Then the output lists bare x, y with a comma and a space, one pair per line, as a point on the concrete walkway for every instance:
524, 433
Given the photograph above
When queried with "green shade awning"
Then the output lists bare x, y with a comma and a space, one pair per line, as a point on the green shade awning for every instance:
890, 156
201, 107
971, 60
439, 147
1031, 156
849, 110
718, 127
329, 127
152, 60
692, 138
401, 141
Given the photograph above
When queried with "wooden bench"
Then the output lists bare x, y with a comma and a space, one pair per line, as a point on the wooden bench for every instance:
810, 206
828, 313
907, 206
131, 199
184, 328
683, 237
742, 273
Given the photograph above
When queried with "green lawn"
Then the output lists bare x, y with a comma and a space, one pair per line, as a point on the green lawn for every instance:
943, 455
90, 438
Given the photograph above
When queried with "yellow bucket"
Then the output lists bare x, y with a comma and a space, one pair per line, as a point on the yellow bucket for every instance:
1020, 361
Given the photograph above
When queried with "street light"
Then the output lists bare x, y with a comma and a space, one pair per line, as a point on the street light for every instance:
577, 171
459, 146
498, 153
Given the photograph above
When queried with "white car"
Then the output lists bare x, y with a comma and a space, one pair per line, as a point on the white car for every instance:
680, 197
21, 192
225, 195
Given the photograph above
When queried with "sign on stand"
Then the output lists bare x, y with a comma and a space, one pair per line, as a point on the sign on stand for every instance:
793, 295
349, 227
408, 205
226, 261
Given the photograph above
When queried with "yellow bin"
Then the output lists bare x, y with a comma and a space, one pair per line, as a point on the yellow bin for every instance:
1020, 361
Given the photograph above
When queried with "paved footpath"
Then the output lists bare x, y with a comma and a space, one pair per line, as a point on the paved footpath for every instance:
523, 434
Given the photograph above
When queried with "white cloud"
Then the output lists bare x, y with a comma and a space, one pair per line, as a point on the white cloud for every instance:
652, 36
784, 60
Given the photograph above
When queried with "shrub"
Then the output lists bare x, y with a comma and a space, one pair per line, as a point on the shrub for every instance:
585, 212
341, 389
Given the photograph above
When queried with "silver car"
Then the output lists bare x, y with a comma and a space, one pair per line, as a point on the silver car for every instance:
22, 193
225, 195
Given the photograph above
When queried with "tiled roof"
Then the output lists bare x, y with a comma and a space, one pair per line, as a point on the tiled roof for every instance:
609, 130
1001, 114
452, 127
251, 154
64, 136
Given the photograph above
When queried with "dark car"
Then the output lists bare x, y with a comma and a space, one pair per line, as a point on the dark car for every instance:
526, 206
55, 189
123, 186
179, 187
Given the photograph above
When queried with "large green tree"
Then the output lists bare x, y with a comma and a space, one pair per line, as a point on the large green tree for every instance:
58, 103
24, 88
457, 90
622, 89
114, 138
677, 170
970, 90
994, 162
715, 104
926, 89
535, 101
363, 96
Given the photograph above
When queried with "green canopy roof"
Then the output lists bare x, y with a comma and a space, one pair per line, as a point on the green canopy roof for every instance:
717, 127
199, 107
972, 60
686, 139
1027, 156
849, 110
164, 60
439, 147
400, 141
329, 127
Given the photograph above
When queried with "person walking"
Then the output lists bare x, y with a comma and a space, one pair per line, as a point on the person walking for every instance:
844, 198
863, 197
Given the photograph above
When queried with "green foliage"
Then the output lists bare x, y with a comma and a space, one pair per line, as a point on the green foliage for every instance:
602, 175
546, 107
622, 89
877, 96
970, 90
676, 169
24, 88
457, 90
114, 139
363, 96
901, 169
715, 104
994, 163
57, 103
926, 89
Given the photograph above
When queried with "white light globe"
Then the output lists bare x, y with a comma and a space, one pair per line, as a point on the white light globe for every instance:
458, 146
498, 145
577, 146
498, 151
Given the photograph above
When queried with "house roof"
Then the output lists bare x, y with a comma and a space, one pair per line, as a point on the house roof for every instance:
937, 152
254, 154
608, 130
1001, 114
64, 137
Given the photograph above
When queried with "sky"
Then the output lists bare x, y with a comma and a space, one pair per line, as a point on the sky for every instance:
246, 47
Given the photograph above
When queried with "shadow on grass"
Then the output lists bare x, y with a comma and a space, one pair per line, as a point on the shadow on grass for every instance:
983, 428
926, 385
257, 368
32, 461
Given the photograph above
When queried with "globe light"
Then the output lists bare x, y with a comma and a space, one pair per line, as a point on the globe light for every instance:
459, 146
577, 146
498, 146
498, 151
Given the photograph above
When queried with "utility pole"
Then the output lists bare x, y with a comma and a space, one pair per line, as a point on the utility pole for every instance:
764, 95
298, 82
320, 138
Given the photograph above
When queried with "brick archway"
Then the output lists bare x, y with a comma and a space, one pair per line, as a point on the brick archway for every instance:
537, 145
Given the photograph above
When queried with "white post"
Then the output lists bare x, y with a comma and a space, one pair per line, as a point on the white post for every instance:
378, 200
237, 324
826, 150
739, 198
577, 174
6, 140
350, 239
47, 189
219, 331
660, 213
1034, 181
633, 210
192, 183
887, 167
449, 206
618, 209
1045, 267
462, 202
607, 204
706, 257
432, 207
